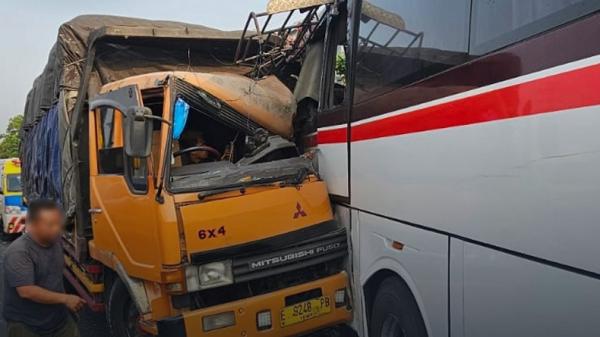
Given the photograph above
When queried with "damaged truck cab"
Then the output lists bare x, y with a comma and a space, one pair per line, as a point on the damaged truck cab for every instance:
223, 226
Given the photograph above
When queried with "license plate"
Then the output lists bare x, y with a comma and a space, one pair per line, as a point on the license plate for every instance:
304, 311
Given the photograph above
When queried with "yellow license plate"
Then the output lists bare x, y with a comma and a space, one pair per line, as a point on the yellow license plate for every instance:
304, 311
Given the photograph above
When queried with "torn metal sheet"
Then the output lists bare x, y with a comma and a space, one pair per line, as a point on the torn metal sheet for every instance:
278, 6
265, 101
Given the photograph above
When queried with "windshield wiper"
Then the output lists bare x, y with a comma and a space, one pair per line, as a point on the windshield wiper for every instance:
208, 191
243, 184
297, 178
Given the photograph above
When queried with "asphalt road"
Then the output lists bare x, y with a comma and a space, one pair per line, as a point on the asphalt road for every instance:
94, 324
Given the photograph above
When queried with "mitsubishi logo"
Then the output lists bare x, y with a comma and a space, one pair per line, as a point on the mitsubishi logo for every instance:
299, 211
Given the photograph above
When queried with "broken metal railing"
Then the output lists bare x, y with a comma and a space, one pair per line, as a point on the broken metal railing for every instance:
269, 49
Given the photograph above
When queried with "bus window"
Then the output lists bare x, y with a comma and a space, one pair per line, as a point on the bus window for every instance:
13, 183
401, 42
495, 24
335, 81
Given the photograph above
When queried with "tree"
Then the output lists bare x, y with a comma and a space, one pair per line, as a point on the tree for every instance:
9, 141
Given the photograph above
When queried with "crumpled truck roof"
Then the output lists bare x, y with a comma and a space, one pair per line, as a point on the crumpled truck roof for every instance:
265, 101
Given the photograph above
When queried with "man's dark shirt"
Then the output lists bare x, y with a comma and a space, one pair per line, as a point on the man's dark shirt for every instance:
27, 263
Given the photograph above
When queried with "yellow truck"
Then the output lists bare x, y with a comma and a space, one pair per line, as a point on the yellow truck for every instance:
191, 211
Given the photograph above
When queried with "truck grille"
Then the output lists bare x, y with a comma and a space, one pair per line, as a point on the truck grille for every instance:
261, 272
302, 255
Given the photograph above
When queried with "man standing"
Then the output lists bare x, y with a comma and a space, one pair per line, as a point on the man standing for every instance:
35, 304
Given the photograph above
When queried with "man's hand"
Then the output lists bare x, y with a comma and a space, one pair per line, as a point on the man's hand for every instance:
73, 302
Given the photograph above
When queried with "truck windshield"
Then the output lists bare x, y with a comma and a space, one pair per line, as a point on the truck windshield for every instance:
229, 164
13, 183
217, 146
223, 176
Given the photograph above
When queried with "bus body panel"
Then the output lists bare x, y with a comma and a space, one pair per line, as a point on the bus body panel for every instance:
506, 295
525, 183
422, 263
333, 166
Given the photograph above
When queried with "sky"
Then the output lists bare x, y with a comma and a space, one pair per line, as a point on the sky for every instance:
28, 30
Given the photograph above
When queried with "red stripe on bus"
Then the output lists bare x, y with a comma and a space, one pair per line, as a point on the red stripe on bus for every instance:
569, 90
332, 136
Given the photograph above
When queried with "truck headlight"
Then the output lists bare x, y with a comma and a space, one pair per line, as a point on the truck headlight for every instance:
12, 209
210, 275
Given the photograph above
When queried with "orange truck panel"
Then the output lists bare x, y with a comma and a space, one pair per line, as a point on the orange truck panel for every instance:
255, 216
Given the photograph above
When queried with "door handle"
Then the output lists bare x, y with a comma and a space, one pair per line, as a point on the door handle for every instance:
95, 210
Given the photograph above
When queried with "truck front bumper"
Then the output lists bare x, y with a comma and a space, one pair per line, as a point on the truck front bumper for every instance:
190, 324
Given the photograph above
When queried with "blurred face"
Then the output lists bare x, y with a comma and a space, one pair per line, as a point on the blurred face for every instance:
48, 226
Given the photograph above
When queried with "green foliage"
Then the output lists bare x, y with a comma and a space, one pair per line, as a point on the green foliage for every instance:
9, 141
340, 68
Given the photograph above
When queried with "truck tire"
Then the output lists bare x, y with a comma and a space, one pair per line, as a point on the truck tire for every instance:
121, 312
394, 312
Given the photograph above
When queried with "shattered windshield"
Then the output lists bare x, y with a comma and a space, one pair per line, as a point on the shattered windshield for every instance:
219, 144
221, 176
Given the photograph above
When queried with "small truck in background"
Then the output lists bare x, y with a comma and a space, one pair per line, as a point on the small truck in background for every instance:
190, 209
11, 200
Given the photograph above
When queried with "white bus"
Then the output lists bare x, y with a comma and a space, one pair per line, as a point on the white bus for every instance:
467, 163
460, 140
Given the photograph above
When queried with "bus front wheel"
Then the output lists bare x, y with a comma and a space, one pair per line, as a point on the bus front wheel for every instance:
394, 312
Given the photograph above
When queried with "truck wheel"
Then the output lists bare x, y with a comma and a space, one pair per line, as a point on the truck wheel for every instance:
394, 312
121, 312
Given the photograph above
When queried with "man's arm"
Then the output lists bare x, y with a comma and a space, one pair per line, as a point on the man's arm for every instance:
20, 275
44, 296
41, 295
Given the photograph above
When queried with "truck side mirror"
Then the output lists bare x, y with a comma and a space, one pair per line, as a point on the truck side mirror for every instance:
138, 132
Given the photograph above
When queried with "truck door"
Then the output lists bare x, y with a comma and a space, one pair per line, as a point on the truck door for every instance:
123, 210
